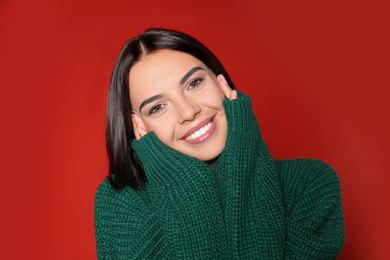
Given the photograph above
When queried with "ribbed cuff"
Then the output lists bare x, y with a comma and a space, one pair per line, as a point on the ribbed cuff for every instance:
243, 129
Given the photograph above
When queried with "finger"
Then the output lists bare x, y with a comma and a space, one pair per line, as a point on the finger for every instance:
224, 85
139, 128
227, 91
141, 131
233, 95
134, 124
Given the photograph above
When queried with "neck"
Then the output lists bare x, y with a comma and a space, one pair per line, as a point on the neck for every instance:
211, 162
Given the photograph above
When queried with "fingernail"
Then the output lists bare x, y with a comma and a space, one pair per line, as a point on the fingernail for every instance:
224, 80
134, 118
139, 131
235, 92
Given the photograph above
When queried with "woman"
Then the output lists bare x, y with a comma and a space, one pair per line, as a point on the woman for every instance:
190, 175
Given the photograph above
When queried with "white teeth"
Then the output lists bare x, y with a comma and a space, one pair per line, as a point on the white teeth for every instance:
199, 132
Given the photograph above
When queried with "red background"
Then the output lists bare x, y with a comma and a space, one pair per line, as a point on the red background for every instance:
317, 72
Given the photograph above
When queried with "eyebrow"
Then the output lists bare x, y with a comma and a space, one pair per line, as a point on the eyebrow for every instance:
153, 98
149, 100
189, 73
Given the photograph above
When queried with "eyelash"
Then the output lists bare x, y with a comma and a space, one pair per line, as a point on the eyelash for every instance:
197, 80
156, 109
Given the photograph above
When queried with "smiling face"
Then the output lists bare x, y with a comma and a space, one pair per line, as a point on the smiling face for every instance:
178, 98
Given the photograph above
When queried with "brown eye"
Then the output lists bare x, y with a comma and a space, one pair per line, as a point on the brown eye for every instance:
156, 109
195, 83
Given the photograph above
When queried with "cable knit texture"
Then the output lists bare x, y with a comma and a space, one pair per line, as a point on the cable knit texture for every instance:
249, 207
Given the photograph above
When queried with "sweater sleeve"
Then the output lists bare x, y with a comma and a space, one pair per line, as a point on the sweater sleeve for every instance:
275, 209
250, 187
175, 215
186, 200
314, 216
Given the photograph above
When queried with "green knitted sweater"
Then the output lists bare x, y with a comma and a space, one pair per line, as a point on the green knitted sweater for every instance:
249, 206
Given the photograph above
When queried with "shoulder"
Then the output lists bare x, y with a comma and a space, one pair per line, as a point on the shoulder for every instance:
125, 227
308, 179
106, 192
126, 201
305, 171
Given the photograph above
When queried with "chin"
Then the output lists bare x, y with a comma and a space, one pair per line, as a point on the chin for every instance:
208, 155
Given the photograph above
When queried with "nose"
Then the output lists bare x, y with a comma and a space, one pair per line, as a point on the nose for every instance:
187, 110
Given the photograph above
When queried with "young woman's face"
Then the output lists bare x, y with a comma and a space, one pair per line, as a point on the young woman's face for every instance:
176, 96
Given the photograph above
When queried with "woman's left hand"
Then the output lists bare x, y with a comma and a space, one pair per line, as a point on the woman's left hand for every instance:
229, 93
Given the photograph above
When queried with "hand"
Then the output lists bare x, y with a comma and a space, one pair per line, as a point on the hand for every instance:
229, 93
138, 127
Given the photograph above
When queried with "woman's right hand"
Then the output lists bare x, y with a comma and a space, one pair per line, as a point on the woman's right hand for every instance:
138, 127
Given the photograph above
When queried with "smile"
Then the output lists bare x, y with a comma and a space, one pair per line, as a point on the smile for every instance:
202, 132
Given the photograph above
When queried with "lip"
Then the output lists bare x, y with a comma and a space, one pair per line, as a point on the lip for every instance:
203, 137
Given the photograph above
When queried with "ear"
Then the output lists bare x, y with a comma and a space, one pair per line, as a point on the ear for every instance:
138, 127
227, 91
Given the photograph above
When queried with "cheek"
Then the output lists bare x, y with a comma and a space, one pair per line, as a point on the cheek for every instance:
163, 129
216, 89
214, 96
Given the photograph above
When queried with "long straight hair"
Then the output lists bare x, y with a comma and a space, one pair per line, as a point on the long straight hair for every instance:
124, 166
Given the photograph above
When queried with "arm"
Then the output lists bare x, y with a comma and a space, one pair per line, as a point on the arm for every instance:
185, 198
175, 215
292, 209
250, 187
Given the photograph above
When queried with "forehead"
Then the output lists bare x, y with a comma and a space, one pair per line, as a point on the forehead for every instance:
158, 71
162, 63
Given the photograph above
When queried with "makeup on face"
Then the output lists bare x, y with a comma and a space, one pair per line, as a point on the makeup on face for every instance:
178, 97
201, 132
